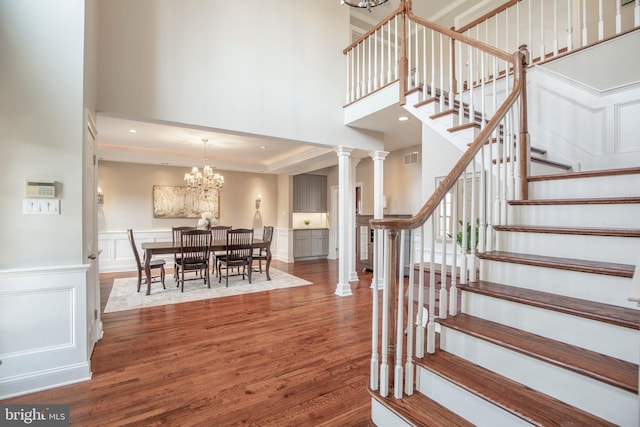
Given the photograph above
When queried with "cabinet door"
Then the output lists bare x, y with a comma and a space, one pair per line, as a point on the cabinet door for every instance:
317, 193
301, 193
319, 242
302, 243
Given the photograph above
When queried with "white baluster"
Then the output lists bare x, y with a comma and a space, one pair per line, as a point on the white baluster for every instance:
636, 14
397, 45
417, 58
375, 60
452, 91
453, 292
384, 363
425, 88
369, 58
555, 27
433, 64
358, 89
569, 26
472, 111
364, 69
443, 261
409, 57
353, 81
473, 223
530, 16
465, 195
398, 373
389, 69
543, 52
431, 326
373, 384
460, 84
420, 331
441, 61
348, 95
618, 16
584, 23
600, 20
408, 367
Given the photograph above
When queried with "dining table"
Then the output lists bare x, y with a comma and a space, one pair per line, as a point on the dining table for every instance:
163, 248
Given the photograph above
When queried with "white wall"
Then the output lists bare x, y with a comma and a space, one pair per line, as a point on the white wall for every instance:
264, 68
128, 198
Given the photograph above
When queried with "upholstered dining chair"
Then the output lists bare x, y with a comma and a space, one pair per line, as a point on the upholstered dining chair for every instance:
238, 254
156, 264
176, 233
261, 254
218, 233
195, 246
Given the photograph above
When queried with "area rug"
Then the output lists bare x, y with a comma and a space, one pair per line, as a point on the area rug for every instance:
125, 297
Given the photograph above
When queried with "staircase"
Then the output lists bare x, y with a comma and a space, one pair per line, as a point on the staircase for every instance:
546, 336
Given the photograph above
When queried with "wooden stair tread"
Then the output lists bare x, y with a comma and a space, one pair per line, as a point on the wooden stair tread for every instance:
582, 231
586, 174
528, 404
463, 126
610, 370
418, 410
586, 201
551, 163
585, 266
606, 313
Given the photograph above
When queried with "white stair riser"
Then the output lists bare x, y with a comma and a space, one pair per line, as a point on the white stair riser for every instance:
469, 406
592, 287
609, 186
612, 340
603, 400
622, 250
612, 215
537, 169
383, 417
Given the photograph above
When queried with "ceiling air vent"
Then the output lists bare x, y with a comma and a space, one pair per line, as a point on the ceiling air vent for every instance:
411, 158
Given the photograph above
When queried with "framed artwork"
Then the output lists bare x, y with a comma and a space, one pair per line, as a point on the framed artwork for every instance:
178, 202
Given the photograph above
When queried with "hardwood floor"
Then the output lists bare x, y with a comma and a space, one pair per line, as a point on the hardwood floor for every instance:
290, 357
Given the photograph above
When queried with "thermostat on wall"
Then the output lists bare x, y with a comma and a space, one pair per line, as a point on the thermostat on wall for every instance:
40, 189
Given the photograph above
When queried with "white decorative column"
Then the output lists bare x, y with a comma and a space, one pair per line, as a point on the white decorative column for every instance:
353, 274
378, 208
345, 212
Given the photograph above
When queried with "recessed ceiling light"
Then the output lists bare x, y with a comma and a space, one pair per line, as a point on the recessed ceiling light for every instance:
133, 131
264, 147
403, 118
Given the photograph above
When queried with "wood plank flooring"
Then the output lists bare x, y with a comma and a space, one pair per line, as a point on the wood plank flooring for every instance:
289, 357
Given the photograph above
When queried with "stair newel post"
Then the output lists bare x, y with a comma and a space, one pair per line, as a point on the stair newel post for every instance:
399, 316
409, 368
521, 62
420, 319
384, 362
373, 374
431, 326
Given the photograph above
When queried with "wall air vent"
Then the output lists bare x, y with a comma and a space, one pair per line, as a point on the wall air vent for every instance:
411, 158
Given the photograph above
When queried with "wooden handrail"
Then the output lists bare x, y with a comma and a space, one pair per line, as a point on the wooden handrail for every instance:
519, 60
487, 15
461, 37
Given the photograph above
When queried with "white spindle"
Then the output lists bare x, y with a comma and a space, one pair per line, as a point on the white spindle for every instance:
433, 64
425, 89
473, 223
409, 57
569, 26
555, 27
505, 159
416, 61
353, 75
453, 292
398, 373
530, 16
443, 261
584, 23
389, 70
618, 16
370, 73
347, 95
397, 45
363, 83
420, 331
374, 316
472, 110
375, 60
543, 52
451, 81
358, 93
408, 367
441, 62
600, 20
636, 14
465, 195
384, 363
431, 326
460, 84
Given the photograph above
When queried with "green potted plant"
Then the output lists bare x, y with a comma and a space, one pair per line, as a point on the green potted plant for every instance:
467, 230
307, 222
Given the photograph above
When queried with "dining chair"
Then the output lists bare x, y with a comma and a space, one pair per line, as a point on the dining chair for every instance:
176, 233
156, 264
195, 246
218, 233
238, 254
261, 253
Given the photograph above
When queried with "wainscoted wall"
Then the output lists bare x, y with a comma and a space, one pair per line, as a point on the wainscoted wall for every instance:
43, 325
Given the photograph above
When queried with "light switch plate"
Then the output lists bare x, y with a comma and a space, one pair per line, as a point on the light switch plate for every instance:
41, 206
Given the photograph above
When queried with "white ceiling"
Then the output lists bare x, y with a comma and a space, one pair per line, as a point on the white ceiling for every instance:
175, 145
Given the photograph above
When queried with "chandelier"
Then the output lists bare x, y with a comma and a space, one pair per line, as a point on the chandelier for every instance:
203, 183
368, 4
